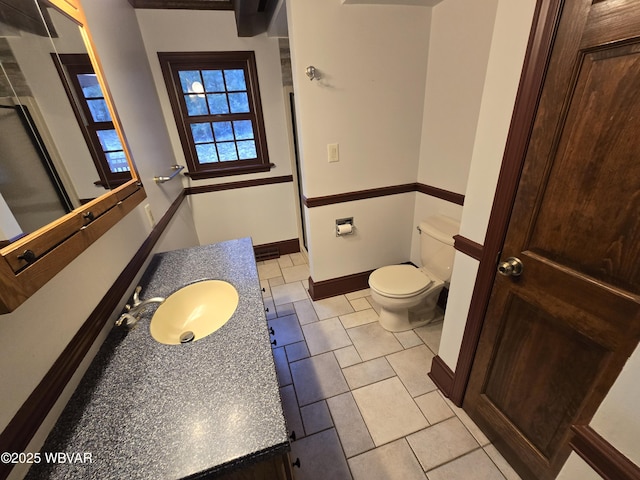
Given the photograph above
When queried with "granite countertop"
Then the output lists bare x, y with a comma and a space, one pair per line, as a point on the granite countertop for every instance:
145, 410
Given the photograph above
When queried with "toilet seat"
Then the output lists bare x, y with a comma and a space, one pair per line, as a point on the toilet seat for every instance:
399, 281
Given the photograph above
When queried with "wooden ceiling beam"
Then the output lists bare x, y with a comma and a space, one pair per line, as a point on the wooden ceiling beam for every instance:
184, 4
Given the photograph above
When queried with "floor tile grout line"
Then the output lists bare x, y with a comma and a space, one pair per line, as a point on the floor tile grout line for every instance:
491, 458
295, 393
405, 386
415, 456
333, 420
389, 443
332, 427
422, 342
338, 434
454, 459
365, 423
465, 425
350, 391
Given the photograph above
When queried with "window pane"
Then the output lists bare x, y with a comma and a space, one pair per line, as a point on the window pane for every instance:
239, 102
188, 78
207, 153
201, 132
99, 110
117, 162
109, 140
218, 103
90, 86
235, 80
213, 81
227, 151
196, 105
223, 131
243, 129
247, 149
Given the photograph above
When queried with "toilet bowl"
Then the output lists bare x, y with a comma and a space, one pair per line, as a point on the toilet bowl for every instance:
408, 295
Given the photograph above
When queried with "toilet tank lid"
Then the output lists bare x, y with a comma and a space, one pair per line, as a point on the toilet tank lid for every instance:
441, 228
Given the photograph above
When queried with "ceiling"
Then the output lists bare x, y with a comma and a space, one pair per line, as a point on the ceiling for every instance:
18, 15
422, 3
184, 4
253, 17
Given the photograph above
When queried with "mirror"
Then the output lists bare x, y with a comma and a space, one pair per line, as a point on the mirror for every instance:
61, 146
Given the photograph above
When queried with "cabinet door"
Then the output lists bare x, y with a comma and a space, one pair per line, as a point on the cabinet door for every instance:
275, 468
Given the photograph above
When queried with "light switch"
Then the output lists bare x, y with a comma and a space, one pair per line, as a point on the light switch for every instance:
333, 153
147, 210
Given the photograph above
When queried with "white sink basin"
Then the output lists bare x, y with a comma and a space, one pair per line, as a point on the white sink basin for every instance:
193, 312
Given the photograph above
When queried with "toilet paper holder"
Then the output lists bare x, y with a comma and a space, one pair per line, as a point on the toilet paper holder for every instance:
344, 226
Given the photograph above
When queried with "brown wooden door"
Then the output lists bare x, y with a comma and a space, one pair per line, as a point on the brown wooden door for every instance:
555, 338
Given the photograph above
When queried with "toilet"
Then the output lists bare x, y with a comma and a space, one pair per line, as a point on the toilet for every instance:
407, 295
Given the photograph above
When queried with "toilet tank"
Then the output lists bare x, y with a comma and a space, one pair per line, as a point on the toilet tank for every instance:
436, 245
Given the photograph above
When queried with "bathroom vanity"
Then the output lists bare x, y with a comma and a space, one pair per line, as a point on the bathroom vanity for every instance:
206, 409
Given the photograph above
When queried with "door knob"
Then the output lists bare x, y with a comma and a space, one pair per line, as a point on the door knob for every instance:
511, 267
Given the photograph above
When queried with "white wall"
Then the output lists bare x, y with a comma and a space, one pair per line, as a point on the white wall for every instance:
463, 278
370, 98
423, 131
456, 73
180, 232
575, 468
508, 46
265, 213
617, 418
458, 59
382, 235
33, 336
223, 215
373, 62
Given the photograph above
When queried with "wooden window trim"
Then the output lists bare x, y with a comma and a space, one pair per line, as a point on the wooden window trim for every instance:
171, 63
68, 66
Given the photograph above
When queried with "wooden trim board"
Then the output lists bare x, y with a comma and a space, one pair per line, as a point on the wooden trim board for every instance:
384, 191
338, 286
603, 457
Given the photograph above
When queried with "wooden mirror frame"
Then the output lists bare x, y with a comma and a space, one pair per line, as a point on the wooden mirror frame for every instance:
30, 262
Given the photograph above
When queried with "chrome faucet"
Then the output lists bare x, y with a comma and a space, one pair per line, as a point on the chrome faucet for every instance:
132, 313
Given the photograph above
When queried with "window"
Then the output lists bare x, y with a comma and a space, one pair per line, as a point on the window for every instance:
216, 104
94, 118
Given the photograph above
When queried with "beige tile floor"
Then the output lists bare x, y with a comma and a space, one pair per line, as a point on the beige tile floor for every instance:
358, 397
